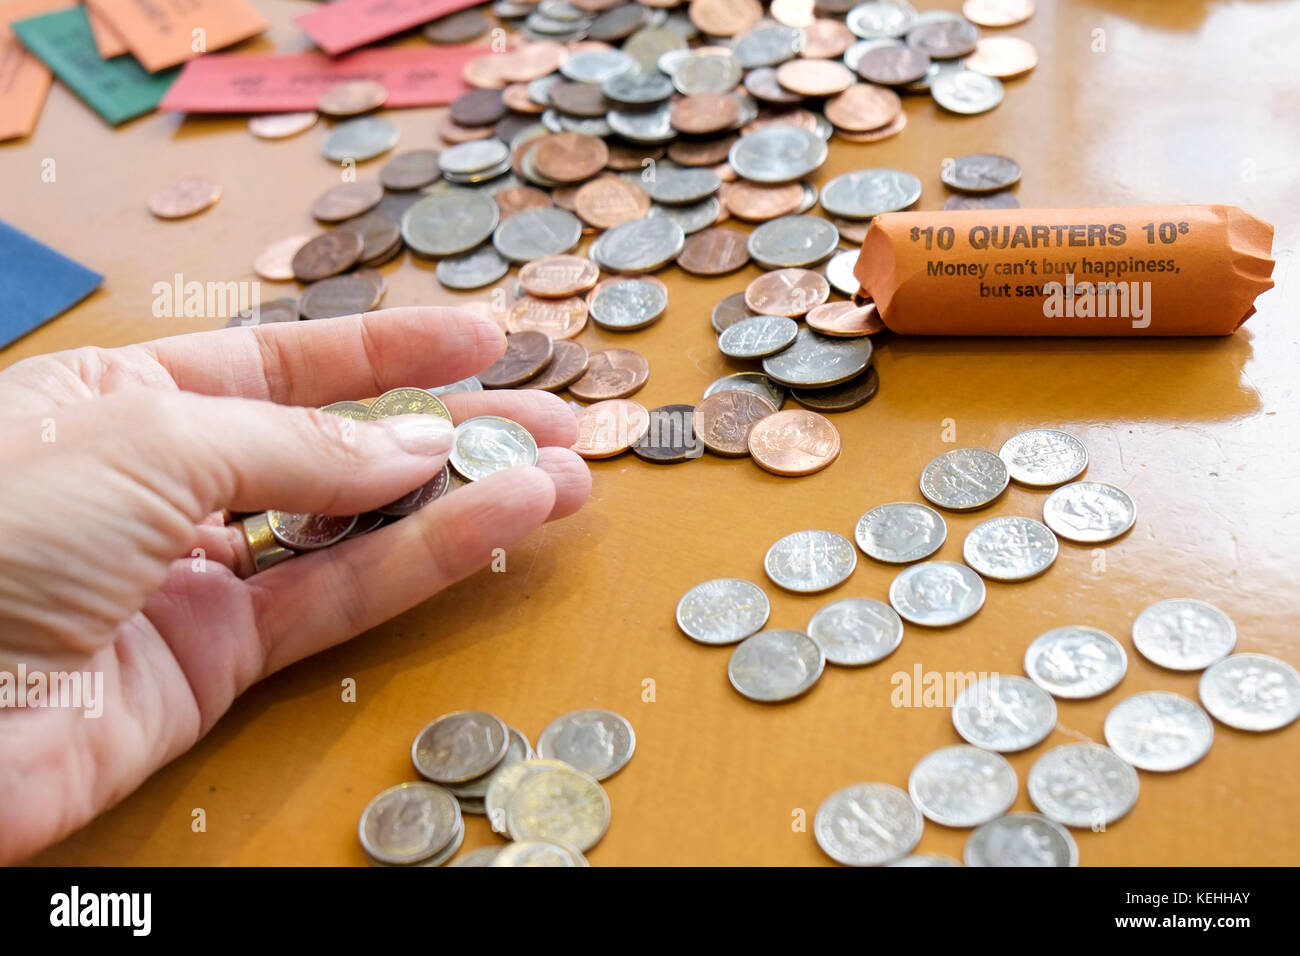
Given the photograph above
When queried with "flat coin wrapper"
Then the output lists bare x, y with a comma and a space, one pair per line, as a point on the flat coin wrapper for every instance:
1130, 270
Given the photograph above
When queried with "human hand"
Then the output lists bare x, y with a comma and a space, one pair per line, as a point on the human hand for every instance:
119, 463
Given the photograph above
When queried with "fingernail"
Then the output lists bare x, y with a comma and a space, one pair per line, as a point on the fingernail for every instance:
421, 434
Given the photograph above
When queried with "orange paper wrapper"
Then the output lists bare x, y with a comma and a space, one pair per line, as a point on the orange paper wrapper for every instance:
1131, 270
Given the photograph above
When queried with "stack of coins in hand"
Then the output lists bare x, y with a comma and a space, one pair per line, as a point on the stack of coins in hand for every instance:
548, 802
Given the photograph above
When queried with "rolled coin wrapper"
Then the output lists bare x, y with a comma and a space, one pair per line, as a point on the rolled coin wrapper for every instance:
1131, 270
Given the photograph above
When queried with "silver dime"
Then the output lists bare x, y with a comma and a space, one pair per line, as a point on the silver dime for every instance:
679, 185
965, 91
865, 193
964, 479
1082, 785
758, 336
637, 88
856, 631
460, 746
755, 382
1251, 692
1184, 634
1159, 731
980, 173
698, 73
1075, 662
810, 561
937, 593
628, 304
692, 217
473, 157
900, 532
1004, 712
408, 823
792, 241
775, 665
722, 611
818, 361
476, 790
1090, 512
360, 139
644, 126
597, 66
556, 805
537, 233
963, 786
597, 742
641, 245
471, 384
473, 269
487, 444
881, 19
839, 272
1021, 839
777, 154
868, 824
1043, 457
536, 853
449, 223
1010, 548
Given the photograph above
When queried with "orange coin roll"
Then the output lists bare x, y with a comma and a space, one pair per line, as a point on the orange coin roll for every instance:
1130, 270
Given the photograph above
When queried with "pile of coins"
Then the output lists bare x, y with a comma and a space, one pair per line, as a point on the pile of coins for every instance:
549, 803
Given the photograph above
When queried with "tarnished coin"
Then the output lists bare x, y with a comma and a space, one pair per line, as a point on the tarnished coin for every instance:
379, 233
406, 401
714, 252
457, 28
1010, 548
1075, 662
558, 276
817, 361
449, 224
408, 823
777, 665
963, 786
723, 420
611, 373
1159, 731
1251, 692
562, 806
1089, 512
641, 245
417, 498
757, 337
185, 197
856, 631
794, 443
944, 39
868, 824
353, 410
980, 173
893, 64
460, 746
854, 393
610, 427
997, 13
626, 304
937, 593
900, 532
1184, 634
1003, 57
527, 353
1021, 839
477, 108
1043, 457
865, 193
596, 742
338, 295
517, 750
537, 853
777, 154
728, 312
537, 233
351, 98
1003, 712
845, 320
281, 125
965, 91
275, 262
308, 532
792, 241
567, 365
505, 780
487, 444
722, 611
473, 269
755, 382
414, 169
360, 139
671, 437
276, 310
965, 479
810, 561
556, 318
483, 856
789, 292
1083, 785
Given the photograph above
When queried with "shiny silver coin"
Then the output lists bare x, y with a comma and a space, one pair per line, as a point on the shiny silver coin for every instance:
810, 561
597, 66
1251, 692
757, 337
980, 173
564, 806
537, 233
486, 444
881, 19
698, 73
1082, 785
648, 127
963, 786
641, 245
755, 382
773, 666
636, 88
628, 304
818, 361
767, 46
480, 178
536, 853
474, 156
1021, 839
360, 139
937, 593
597, 742
472, 793
471, 384
722, 611
868, 824
692, 217
1004, 712
925, 859
449, 224
1075, 662
965, 91
964, 479
793, 241
1043, 457
839, 272
460, 746
1010, 548
777, 154
1159, 731
1089, 512
473, 269
678, 185
809, 200
856, 631
1184, 634
504, 784
865, 193
408, 823
597, 126
900, 532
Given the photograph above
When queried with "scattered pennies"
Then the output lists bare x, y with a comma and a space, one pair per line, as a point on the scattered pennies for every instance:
183, 198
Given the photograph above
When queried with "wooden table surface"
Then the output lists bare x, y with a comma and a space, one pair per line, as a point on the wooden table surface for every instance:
1188, 103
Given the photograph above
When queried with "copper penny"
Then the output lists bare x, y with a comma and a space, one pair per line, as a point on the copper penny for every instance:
620, 22
724, 419
557, 277
567, 364
756, 202
515, 199
185, 197
570, 157
997, 13
704, 113
852, 230
625, 156
863, 106
452, 132
413, 169
824, 39
725, 18
352, 98
457, 28
327, 255
530, 61
610, 427
345, 201
598, 6
275, 262
1003, 57
338, 295
840, 398
728, 312
893, 128
798, 116
814, 77
527, 353
554, 318
714, 252
794, 442
725, 172
477, 108
845, 320
281, 125
701, 152
611, 373
377, 231
608, 201
579, 99
566, 197
516, 97
484, 72
790, 292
